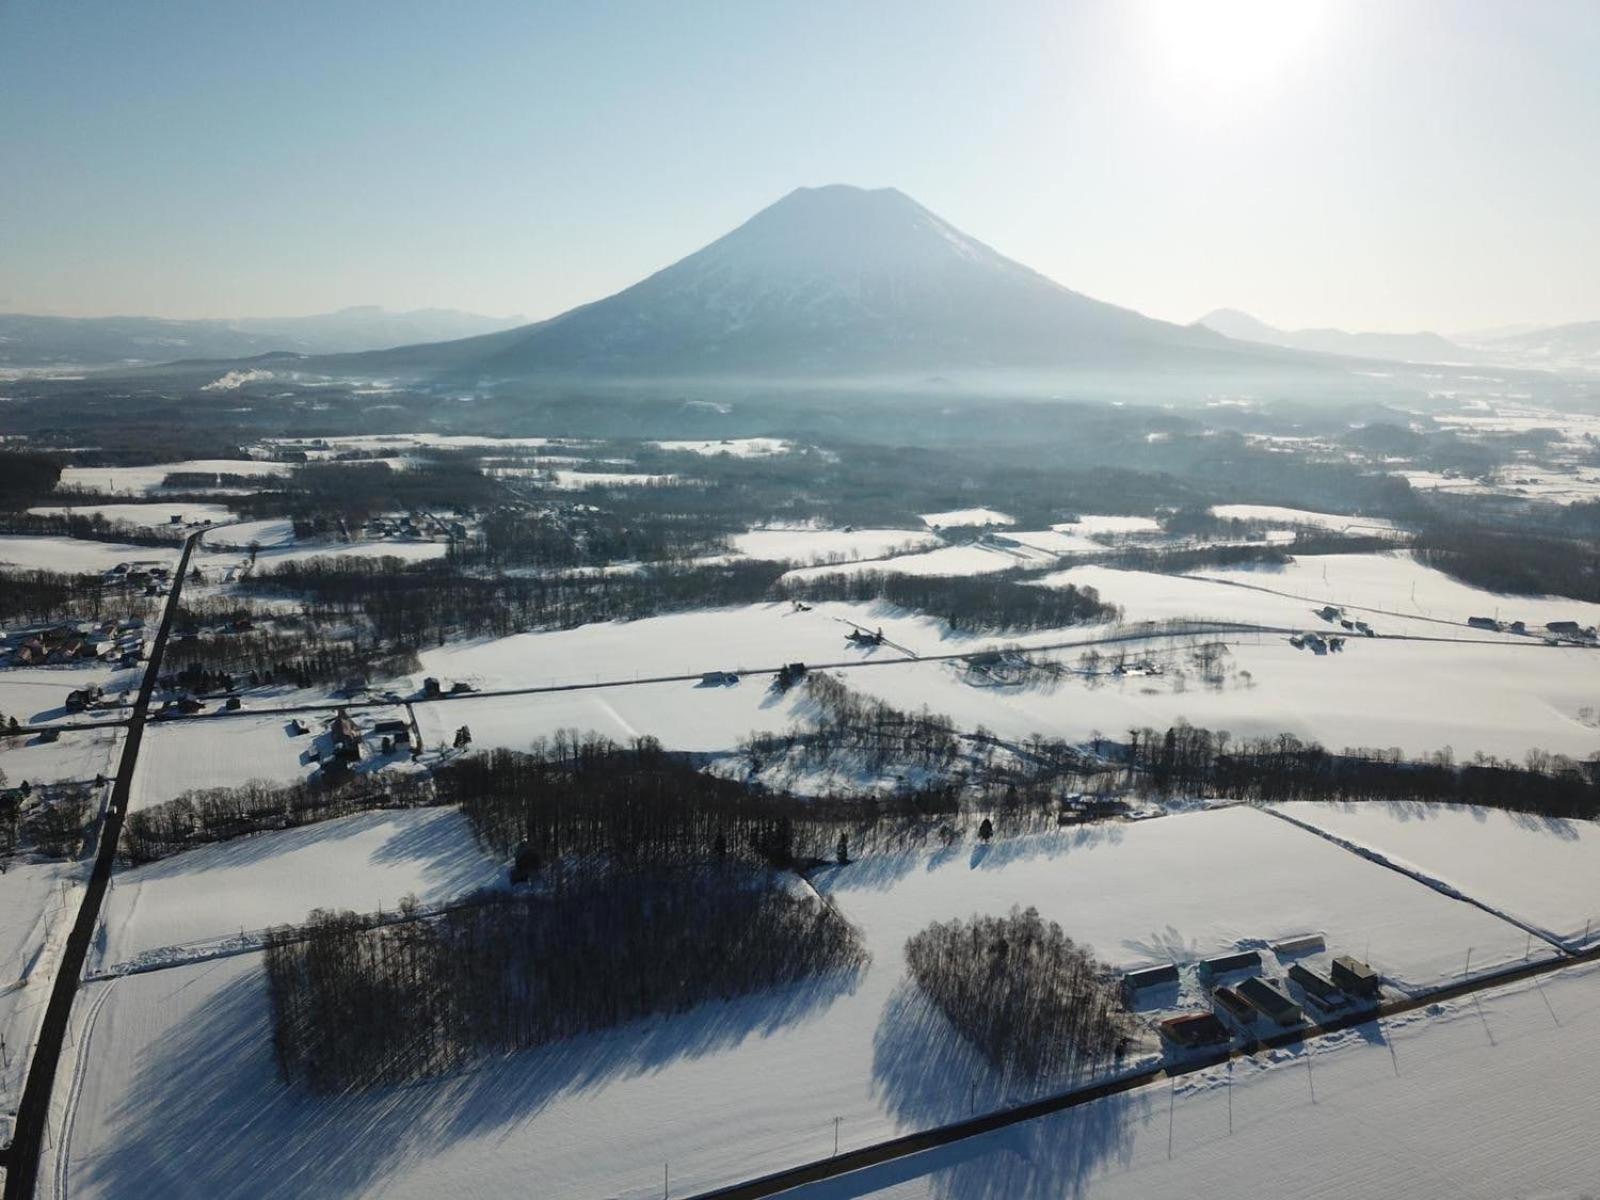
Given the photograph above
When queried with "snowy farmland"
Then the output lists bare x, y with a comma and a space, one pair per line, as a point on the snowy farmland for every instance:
77, 756
37, 904
154, 515
202, 898
1541, 870
805, 545
967, 516
750, 447
74, 556
38, 695
1301, 517
180, 1050
146, 481
217, 750
753, 637
1480, 1100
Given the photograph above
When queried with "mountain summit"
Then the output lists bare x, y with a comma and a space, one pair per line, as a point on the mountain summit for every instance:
830, 281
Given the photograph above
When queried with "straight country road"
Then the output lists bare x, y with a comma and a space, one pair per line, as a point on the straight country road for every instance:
21, 1158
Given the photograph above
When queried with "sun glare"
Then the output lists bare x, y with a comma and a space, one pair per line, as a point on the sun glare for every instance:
1219, 49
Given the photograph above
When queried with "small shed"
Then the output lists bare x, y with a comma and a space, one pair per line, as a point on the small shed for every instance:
1303, 943
1354, 976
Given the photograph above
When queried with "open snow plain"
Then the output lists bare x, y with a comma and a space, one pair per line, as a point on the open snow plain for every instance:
218, 751
728, 1090
1483, 1099
1541, 870
196, 901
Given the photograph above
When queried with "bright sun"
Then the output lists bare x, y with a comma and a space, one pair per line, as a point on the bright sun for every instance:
1225, 48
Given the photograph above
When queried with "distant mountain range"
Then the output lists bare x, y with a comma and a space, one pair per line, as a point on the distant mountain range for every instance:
1396, 347
1567, 348
33, 341
1574, 347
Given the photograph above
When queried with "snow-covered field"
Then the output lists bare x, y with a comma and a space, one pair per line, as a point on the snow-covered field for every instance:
756, 636
1337, 523
1484, 1099
215, 750
37, 904
829, 545
38, 695
972, 559
1396, 583
140, 481
1503, 698
77, 756
967, 516
1541, 870
578, 480
365, 862
76, 556
153, 515
179, 1091
276, 531
750, 447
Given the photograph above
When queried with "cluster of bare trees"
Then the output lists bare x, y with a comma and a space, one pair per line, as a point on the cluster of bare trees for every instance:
847, 724
217, 814
50, 820
356, 1005
1035, 1003
52, 596
999, 601
1185, 758
583, 535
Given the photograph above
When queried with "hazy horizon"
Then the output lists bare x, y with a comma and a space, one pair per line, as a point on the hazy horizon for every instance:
1387, 168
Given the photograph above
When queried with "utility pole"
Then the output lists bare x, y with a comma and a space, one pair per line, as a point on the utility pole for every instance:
836, 1137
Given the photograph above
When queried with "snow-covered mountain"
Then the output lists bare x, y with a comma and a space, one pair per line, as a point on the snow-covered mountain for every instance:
835, 281
1397, 347
1574, 347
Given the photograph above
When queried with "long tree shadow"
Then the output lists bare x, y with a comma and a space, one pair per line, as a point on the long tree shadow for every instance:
927, 1075
206, 1113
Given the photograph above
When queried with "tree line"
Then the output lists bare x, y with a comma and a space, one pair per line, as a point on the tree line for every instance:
1190, 760
207, 815
1000, 601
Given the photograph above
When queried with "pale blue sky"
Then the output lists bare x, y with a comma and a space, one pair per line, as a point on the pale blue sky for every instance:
1386, 164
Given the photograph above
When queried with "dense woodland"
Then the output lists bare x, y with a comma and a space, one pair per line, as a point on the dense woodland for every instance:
1037, 1005
356, 1006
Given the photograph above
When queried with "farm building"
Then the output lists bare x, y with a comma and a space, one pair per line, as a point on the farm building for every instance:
1270, 1001
1135, 982
1318, 987
1235, 1006
1222, 964
1307, 943
1354, 976
1194, 1029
